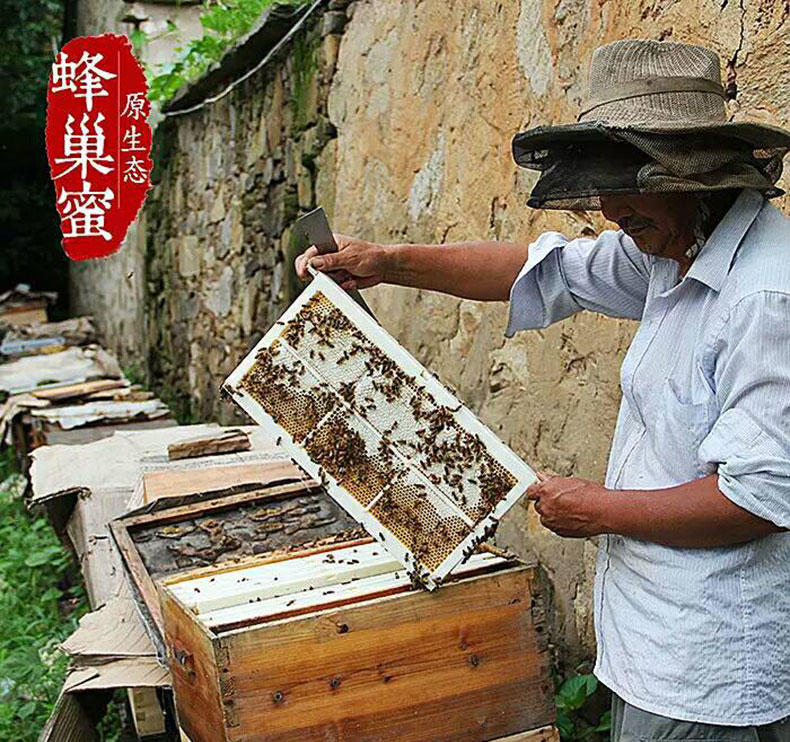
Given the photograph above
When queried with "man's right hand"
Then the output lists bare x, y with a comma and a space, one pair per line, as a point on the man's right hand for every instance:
356, 265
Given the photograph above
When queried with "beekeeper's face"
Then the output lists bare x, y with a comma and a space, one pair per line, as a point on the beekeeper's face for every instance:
660, 224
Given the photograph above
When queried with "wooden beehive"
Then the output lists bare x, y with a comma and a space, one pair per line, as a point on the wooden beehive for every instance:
171, 536
336, 644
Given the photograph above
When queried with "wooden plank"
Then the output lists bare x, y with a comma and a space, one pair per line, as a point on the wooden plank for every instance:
75, 391
454, 666
313, 601
193, 668
140, 578
276, 556
24, 316
543, 734
146, 711
222, 501
228, 441
178, 482
257, 583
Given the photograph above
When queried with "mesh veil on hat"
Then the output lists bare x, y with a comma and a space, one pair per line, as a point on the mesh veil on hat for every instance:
654, 121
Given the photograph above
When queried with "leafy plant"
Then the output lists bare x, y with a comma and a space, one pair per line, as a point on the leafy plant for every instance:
305, 65
28, 220
571, 699
135, 373
39, 608
224, 21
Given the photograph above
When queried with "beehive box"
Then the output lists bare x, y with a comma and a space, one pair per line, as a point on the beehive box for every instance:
178, 535
336, 644
393, 446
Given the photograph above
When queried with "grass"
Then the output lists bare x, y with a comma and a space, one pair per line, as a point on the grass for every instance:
39, 607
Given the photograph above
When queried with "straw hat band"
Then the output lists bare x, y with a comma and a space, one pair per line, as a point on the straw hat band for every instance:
651, 86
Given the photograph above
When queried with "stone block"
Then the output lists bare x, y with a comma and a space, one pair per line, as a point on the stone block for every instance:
220, 293
217, 213
249, 306
330, 49
274, 114
304, 188
333, 22
189, 256
258, 142
231, 235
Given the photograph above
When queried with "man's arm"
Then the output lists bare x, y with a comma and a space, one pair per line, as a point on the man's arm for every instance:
484, 271
692, 515
551, 279
748, 446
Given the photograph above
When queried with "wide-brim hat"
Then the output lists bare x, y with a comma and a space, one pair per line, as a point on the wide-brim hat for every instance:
654, 120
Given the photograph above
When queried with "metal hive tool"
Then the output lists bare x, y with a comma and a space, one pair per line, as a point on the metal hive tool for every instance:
391, 444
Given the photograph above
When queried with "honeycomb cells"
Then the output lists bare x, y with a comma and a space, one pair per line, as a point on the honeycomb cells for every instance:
378, 431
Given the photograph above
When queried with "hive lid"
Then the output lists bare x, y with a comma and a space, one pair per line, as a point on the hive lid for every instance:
398, 451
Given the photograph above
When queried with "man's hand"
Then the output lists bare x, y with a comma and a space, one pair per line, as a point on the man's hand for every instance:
356, 265
569, 506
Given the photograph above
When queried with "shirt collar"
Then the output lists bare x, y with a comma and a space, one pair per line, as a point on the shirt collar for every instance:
713, 263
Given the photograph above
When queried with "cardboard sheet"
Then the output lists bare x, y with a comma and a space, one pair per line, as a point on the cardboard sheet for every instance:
69, 366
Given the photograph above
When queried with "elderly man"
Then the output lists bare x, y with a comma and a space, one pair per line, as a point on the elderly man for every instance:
692, 594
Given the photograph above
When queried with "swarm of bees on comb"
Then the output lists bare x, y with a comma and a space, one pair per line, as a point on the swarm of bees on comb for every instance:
378, 433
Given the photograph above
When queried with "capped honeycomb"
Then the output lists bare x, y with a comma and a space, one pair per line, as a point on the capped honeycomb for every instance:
428, 527
279, 382
400, 453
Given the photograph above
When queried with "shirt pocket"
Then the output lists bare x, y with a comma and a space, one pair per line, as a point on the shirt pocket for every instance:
681, 426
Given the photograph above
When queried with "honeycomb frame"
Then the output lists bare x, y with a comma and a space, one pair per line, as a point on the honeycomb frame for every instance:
398, 451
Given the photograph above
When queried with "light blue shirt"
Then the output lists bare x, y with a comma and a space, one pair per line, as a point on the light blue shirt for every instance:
693, 634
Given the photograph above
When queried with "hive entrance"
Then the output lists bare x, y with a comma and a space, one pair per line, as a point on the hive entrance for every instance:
400, 453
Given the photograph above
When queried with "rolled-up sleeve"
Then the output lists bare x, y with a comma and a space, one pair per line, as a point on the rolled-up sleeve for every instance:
560, 277
750, 441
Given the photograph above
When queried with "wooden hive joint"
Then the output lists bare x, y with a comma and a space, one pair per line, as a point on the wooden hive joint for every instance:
227, 687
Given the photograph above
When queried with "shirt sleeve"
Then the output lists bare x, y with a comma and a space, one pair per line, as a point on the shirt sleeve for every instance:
608, 274
750, 440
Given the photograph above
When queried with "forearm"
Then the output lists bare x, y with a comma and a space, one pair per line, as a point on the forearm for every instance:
484, 271
691, 515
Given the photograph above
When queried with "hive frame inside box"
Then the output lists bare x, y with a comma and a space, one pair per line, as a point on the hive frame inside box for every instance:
248, 601
523, 474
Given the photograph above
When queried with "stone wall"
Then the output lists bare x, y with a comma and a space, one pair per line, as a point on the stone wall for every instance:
234, 176
403, 133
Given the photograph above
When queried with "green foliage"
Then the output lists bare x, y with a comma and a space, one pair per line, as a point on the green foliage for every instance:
135, 373
180, 404
305, 65
224, 21
572, 698
30, 30
34, 569
31, 253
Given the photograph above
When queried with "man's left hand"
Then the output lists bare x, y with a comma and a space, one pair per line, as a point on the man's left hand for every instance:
569, 506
